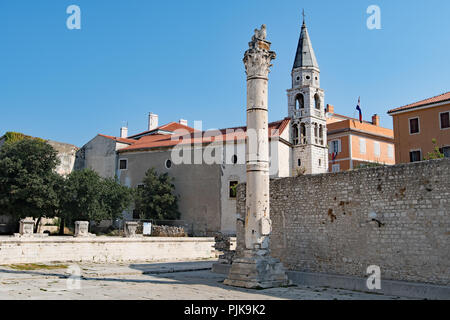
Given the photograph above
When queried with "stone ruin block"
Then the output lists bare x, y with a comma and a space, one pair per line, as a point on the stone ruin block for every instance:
81, 229
130, 228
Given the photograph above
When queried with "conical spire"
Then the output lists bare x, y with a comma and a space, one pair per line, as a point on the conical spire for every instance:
305, 56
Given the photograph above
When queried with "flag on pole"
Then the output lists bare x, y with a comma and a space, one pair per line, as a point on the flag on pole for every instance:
358, 107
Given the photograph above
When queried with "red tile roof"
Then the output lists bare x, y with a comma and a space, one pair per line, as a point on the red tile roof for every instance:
196, 137
440, 98
171, 127
122, 140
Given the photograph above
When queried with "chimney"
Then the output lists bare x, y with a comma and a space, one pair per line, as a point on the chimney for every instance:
376, 120
152, 121
123, 132
183, 122
330, 108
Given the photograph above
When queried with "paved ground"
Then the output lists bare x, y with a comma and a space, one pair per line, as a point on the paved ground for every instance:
168, 281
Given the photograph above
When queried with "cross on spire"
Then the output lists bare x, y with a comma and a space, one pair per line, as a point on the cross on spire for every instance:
303, 14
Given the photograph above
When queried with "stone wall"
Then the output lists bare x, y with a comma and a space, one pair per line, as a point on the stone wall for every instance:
103, 249
396, 217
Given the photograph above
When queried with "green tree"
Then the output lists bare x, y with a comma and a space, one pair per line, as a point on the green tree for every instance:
156, 198
116, 198
436, 153
28, 180
87, 196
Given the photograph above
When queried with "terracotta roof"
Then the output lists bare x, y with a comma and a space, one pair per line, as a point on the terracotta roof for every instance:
195, 137
171, 127
122, 140
440, 98
348, 118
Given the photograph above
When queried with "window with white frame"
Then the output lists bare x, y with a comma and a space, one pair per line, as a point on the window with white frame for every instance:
335, 168
123, 164
414, 126
376, 149
444, 119
390, 151
362, 146
335, 146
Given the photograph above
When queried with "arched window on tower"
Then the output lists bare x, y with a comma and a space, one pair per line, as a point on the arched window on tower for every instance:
317, 101
295, 134
316, 128
321, 134
303, 133
299, 102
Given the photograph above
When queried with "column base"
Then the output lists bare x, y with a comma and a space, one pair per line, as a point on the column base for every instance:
257, 270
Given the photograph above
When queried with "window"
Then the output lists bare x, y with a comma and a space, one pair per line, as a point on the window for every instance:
234, 159
233, 193
446, 151
362, 146
335, 168
390, 151
317, 101
445, 120
168, 164
320, 162
299, 101
335, 146
376, 149
123, 164
414, 126
299, 162
415, 156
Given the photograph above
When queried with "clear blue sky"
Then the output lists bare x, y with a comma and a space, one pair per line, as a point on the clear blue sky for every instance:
183, 59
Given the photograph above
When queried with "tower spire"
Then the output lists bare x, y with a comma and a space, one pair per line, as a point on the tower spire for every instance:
305, 56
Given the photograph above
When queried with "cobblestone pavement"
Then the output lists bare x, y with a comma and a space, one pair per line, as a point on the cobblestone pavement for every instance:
167, 281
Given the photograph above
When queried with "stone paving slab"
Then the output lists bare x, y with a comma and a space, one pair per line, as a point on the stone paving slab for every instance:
147, 282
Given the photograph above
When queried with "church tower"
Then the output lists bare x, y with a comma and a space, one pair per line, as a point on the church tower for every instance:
306, 109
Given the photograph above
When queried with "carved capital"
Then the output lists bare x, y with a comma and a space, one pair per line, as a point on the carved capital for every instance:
258, 58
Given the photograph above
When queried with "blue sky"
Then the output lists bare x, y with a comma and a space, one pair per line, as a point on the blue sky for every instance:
183, 59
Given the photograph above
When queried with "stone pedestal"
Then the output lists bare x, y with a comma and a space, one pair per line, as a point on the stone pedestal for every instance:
81, 229
130, 228
26, 227
256, 269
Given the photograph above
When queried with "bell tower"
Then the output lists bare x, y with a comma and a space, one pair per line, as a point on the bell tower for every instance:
306, 108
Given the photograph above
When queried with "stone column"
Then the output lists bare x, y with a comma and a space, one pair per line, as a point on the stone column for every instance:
253, 267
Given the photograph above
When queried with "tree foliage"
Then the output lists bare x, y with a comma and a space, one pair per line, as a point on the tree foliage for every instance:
155, 199
436, 153
87, 196
27, 179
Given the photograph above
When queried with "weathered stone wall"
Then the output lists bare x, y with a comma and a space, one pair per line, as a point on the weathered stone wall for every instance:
323, 223
103, 249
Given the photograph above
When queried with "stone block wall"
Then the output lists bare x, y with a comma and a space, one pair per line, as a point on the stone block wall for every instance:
103, 249
395, 217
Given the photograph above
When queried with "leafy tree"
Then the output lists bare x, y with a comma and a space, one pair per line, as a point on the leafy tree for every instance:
436, 153
115, 198
156, 198
87, 196
28, 179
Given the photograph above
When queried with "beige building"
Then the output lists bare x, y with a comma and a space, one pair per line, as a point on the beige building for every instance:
417, 124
